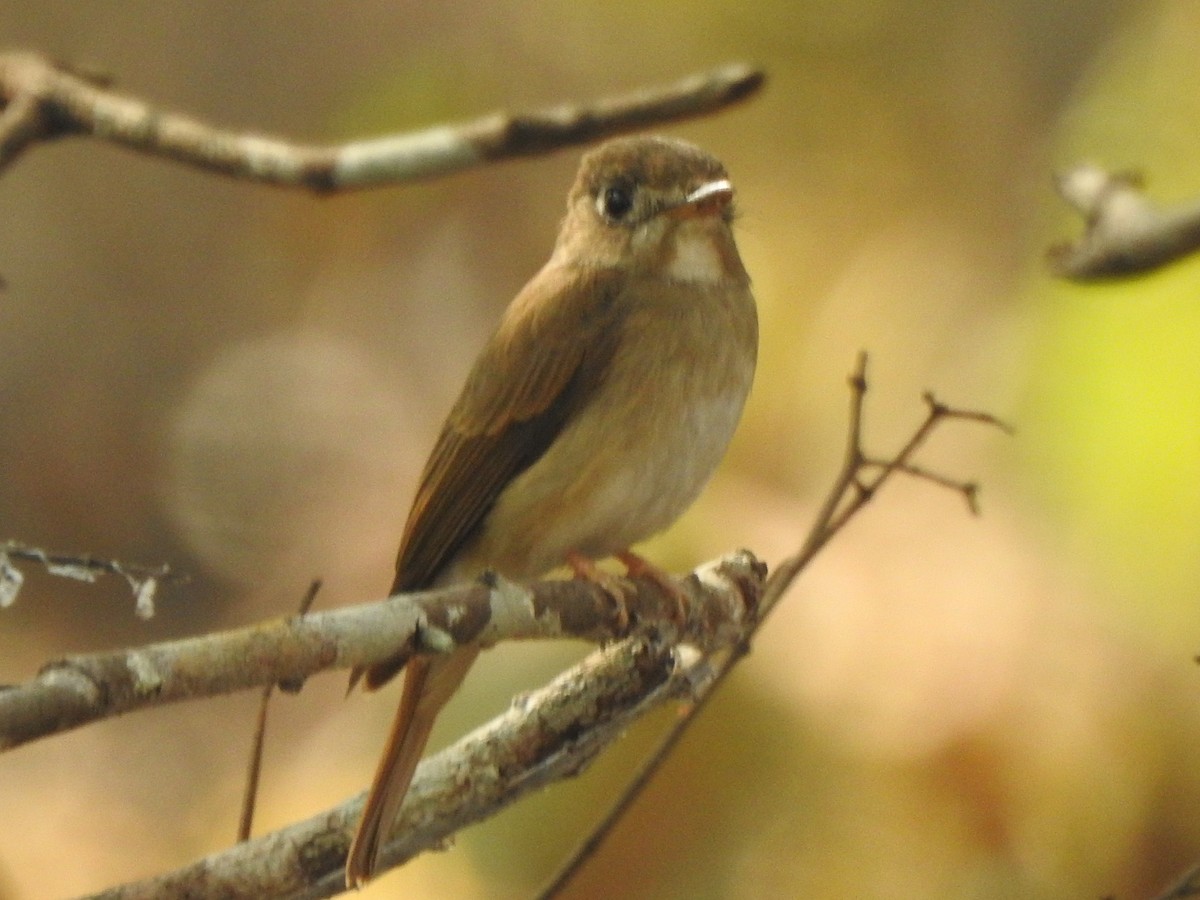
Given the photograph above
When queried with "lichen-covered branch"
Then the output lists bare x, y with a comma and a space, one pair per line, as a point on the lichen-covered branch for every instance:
549, 735
81, 689
41, 100
143, 580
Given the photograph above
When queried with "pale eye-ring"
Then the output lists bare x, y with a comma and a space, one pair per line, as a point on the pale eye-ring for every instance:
615, 201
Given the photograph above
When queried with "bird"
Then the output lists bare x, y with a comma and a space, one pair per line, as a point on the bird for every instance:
590, 421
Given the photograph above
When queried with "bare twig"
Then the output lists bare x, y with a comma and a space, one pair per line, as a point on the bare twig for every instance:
851, 491
968, 489
143, 580
43, 101
82, 689
1125, 233
254, 768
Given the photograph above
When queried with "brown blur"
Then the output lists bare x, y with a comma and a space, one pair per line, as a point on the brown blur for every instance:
244, 381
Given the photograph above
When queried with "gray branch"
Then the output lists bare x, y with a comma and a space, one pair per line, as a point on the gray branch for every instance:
40, 100
77, 690
545, 736
1125, 234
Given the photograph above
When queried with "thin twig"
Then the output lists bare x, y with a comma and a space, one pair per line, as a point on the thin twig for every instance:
968, 489
143, 580
629, 795
254, 769
84, 567
43, 101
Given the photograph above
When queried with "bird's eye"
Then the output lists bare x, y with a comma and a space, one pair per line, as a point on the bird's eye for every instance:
615, 201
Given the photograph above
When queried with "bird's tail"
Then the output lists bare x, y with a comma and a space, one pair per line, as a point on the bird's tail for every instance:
429, 682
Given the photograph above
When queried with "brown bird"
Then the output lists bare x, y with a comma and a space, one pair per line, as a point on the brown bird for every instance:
590, 421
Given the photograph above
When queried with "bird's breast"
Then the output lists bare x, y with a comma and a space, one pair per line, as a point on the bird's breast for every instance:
641, 448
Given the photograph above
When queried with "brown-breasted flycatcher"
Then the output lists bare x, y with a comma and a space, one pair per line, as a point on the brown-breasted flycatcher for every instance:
591, 419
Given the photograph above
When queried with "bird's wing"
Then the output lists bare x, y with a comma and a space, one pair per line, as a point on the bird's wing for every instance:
550, 353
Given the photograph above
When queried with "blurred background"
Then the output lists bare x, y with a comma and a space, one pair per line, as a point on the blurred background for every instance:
244, 381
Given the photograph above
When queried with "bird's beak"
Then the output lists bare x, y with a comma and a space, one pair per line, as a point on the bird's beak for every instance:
708, 199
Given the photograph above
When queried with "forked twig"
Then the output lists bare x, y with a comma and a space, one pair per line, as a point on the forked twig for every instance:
859, 479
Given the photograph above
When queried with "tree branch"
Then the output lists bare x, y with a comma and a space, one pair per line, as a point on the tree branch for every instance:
548, 735
82, 689
42, 101
1125, 233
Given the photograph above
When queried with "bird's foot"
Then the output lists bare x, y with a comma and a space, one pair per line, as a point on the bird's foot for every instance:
640, 567
617, 588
